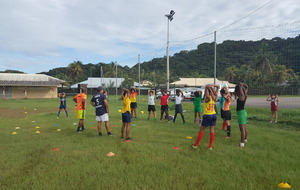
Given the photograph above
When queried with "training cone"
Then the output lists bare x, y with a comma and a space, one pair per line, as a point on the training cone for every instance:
111, 154
14, 133
58, 130
37, 132
37, 127
142, 111
119, 110
17, 127
284, 185
55, 149
176, 148
189, 137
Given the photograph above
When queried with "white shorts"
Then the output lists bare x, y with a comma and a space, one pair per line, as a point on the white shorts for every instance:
103, 117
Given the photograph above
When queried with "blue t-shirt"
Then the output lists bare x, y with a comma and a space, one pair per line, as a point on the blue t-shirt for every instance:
98, 99
62, 101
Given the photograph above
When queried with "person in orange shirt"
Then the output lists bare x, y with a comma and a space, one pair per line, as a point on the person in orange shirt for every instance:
210, 116
226, 109
133, 104
80, 100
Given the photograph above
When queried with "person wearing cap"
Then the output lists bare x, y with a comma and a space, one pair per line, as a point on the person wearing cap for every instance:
80, 100
102, 110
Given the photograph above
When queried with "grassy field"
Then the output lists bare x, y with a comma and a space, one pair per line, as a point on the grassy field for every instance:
28, 159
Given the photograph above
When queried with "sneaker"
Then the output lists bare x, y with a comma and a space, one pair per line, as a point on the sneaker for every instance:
242, 145
109, 133
100, 134
246, 140
275, 122
195, 121
78, 131
227, 137
122, 138
193, 146
209, 148
271, 121
159, 120
148, 118
154, 119
128, 139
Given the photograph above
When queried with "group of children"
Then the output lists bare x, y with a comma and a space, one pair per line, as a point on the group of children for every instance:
208, 119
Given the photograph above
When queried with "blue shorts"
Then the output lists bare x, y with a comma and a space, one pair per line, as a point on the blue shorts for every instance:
209, 120
126, 117
62, 107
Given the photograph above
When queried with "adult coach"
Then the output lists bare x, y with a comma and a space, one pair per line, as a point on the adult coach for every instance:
102, 110
80, 100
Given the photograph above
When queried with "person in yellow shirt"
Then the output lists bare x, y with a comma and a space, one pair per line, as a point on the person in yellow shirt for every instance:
210, 116
126, 116
80, 100
133, 104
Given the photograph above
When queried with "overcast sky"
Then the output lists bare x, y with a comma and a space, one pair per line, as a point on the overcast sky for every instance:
38, 35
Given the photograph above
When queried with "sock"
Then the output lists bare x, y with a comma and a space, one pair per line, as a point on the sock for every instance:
82, 127
67, 114
78, 128
228, 130
182, 117
200, 135
100, 134
224, 125
58, 113
211, 139
195, 121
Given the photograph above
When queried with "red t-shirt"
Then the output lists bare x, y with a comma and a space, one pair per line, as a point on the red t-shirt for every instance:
164, 100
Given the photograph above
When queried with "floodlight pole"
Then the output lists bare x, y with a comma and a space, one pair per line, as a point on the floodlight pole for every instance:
116, 81
170, 18
139, 76
215, 57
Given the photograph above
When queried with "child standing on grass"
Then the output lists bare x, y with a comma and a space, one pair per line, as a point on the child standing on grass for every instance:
80, 100
151, 104
198, 106
133, 104
63, 104
164, 104
274, 107
210, 116
221, 103
241, 91
178, 106
126, 116
225, 112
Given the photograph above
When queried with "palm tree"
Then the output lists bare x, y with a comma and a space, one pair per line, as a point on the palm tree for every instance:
230, 73
265, 59
75, 70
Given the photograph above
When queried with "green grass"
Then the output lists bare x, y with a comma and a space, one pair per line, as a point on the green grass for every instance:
27, 160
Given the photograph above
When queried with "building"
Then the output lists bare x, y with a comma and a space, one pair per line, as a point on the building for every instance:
197, 82
17, 86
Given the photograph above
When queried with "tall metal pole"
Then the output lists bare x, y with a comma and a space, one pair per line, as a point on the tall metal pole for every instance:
215, 57
116, 81
139, 76
168, 64
101, 72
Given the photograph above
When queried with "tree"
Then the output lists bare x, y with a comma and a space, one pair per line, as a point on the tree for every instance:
265, 59
230, 73
75, 70
127, 83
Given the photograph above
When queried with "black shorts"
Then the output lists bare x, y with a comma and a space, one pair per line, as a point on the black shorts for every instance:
178, 108
222, 113
226, 115
133, 105
151, 107
164, 108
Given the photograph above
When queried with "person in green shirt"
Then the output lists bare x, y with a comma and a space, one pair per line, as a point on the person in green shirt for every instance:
198, 106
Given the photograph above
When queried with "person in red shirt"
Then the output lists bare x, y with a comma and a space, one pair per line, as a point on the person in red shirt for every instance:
164, 104
274, 107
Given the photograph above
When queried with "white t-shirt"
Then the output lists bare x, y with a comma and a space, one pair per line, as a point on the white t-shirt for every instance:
151, 100
178, 99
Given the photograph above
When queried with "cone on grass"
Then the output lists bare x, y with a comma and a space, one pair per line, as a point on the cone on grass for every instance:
111, 154
37, 132
284, 185
58, 130
14, 133
189, 137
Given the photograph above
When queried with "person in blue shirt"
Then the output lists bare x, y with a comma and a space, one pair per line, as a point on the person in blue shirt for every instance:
102, 110
63, 104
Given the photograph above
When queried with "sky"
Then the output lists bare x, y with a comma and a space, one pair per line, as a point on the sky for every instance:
39, 35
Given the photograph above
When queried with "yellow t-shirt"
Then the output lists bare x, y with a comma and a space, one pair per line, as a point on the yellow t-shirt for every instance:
126, 104
209, 107
132, 96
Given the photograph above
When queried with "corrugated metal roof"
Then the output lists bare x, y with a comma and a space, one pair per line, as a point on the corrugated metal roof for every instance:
199, 82
16, 79
95, 82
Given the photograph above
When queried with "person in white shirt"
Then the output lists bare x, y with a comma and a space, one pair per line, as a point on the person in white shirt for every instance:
178, 106
151, 104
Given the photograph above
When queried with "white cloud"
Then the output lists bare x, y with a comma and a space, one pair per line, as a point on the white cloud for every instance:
117, 30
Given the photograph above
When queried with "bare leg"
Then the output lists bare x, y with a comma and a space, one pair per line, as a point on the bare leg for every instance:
122, 130
127, 129
99, 126
107, 126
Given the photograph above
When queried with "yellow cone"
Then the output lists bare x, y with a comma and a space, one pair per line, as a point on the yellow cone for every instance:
284, 185
37, 132
189, 137
37, 127
14, 133
58, 130
17, 127
142, 111
110, 154
119, 110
